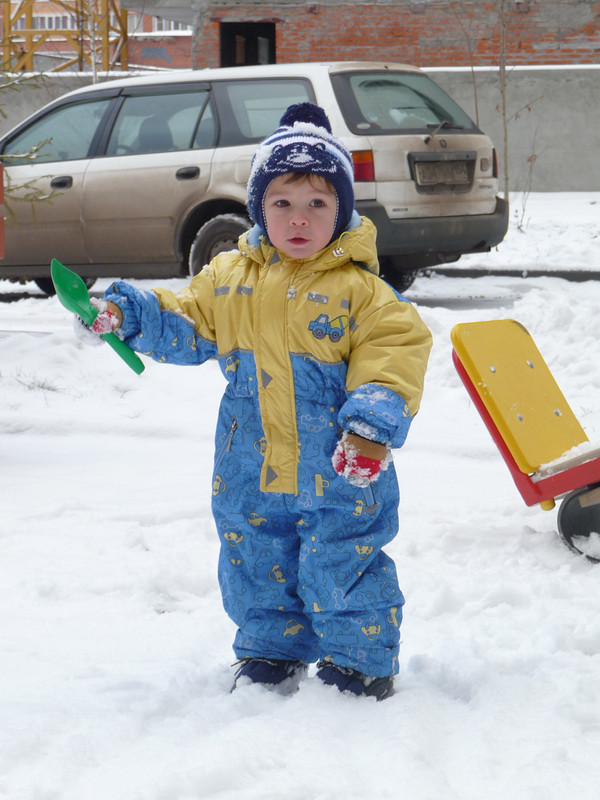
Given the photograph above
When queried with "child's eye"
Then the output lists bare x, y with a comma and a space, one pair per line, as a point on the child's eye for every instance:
318, 203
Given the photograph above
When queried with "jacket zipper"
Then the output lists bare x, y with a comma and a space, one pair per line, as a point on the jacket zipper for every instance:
227, 445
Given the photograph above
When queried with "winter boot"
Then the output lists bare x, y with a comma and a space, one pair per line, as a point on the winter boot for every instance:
277, 675
350, 680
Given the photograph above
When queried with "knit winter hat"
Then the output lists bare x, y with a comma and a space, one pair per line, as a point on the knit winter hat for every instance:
302, 143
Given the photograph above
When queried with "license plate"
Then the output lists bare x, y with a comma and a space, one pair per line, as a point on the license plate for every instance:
429, 173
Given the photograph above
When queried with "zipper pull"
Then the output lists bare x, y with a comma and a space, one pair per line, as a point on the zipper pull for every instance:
232, 430
369, 497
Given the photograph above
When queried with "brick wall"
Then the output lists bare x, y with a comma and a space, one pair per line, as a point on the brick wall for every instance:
164, 52
425, 33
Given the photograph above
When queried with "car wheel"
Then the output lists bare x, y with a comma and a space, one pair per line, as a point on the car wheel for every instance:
46, 285
399, 277
218, 235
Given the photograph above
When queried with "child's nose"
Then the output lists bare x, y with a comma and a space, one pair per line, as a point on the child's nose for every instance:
298, 219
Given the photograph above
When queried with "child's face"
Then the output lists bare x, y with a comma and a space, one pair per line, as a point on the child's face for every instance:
300, 214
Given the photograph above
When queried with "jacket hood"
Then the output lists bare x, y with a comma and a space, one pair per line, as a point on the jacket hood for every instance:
357, 244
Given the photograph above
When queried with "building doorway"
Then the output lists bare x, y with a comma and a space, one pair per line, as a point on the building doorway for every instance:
247, 43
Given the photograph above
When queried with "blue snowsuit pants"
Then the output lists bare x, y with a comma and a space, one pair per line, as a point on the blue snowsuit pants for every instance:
304, 576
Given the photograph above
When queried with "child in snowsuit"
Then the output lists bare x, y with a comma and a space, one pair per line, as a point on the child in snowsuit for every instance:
325, 365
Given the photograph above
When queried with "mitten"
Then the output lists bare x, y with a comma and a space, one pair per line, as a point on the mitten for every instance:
360, 460
107, 321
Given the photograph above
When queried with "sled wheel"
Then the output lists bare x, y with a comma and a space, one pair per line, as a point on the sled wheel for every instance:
579, 522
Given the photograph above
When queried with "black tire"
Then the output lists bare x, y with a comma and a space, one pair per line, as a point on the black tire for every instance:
398, 276
218, 235
46, 285
579, 518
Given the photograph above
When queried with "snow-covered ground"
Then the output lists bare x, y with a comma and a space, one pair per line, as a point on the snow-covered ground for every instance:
547, 232
115, 652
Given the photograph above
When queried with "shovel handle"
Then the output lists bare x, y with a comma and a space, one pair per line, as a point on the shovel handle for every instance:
127, 354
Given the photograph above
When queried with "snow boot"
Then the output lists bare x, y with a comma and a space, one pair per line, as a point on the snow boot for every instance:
350, 680
277, 675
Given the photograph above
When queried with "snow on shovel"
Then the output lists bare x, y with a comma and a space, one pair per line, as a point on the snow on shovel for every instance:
73, 294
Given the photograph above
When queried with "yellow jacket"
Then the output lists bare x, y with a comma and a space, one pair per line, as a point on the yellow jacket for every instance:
302, 336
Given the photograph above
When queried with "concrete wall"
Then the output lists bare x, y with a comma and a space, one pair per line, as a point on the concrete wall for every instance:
553, 125
553, 113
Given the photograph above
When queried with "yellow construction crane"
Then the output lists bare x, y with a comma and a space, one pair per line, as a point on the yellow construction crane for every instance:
93, 35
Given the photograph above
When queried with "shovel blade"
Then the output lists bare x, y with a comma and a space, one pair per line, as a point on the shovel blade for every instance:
72, 292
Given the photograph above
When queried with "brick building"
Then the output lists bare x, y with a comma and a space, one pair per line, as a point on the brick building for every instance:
424, 32
158, 42
171, 34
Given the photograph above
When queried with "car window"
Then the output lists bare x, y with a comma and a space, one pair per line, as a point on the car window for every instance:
156, 123
257, 106
64, 133
384, 102
206, 132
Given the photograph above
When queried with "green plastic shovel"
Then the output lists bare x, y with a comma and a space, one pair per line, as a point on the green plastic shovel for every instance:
73, 294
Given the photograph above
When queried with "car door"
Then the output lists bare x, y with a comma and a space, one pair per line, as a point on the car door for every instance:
45, 165
156, 166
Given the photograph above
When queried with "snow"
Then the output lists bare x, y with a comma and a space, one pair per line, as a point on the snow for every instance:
116, 653
554, 231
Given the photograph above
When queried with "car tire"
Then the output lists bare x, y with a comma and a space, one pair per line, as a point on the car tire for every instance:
46, 285
398, 277
218, 235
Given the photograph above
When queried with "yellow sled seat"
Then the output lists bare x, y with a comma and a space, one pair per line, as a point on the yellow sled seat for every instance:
519, 391
524, 410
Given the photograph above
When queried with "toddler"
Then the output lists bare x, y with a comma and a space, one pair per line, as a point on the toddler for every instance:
324, 364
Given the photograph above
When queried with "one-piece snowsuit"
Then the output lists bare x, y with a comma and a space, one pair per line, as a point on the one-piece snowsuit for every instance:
308, 348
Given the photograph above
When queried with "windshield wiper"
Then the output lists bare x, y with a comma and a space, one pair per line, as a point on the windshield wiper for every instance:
437, 128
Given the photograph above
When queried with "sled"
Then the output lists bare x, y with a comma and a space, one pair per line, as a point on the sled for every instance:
539, 437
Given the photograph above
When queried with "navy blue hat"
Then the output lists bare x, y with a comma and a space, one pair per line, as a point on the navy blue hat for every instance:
302, 143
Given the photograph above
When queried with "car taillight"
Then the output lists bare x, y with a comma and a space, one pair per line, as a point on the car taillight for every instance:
364, 168
495, 160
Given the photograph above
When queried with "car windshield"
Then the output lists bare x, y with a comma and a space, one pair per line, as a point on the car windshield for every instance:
396, 102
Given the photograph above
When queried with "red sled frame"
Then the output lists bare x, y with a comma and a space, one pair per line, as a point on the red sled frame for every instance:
540, 490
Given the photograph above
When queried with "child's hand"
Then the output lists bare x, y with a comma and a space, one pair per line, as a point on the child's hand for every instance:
108, 320
360, 460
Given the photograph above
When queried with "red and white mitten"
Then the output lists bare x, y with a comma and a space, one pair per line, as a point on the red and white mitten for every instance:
360, 460
106, 322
